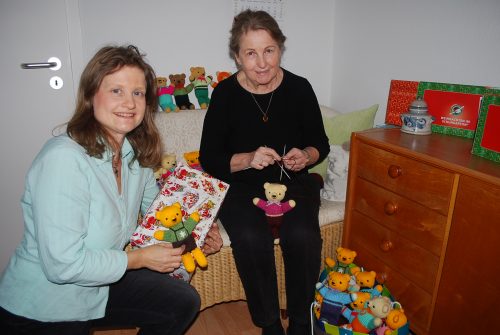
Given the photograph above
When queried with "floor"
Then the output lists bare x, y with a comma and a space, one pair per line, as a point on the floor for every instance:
223, 319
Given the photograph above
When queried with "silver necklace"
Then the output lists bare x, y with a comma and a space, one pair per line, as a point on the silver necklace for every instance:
265, 118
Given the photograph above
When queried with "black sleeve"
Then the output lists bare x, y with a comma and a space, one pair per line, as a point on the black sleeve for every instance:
214, 157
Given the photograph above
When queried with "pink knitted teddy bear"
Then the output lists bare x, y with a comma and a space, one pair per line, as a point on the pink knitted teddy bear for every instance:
273, 207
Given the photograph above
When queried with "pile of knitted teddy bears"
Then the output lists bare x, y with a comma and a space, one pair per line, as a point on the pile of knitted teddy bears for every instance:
350, 298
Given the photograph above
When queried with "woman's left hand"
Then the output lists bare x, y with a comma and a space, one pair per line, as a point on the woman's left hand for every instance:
296, 159
213, 241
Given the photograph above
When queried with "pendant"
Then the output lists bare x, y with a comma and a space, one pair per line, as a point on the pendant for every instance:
265, 118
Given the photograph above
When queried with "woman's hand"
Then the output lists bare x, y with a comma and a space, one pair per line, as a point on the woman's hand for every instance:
263, 157
297, 159
213, 241
161, 257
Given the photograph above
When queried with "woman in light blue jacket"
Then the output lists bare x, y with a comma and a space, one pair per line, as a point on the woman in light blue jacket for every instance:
82, 196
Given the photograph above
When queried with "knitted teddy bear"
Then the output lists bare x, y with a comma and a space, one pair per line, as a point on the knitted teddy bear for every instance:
165, 95
178, 232
193, 159
395, 319
366, 282
333, 295
344, 262
366, 314
220, 75
181, 92
364, 320
168, 164
361, 321
273, 207
200, 82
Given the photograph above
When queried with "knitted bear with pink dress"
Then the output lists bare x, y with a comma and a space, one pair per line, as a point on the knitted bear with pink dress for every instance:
273, 207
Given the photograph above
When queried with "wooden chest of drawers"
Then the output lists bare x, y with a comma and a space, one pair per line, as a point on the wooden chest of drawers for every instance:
424, 214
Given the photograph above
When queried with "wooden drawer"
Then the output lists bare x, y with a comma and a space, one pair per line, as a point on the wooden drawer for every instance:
415, 301
418, 181
420, 266
408, 218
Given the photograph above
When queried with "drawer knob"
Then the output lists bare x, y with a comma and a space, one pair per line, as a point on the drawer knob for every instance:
386, 246
390, 208
394, 171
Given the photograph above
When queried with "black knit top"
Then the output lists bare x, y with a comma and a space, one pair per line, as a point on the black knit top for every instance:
234, 124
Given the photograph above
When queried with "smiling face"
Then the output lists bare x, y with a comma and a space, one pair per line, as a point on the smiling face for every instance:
120, 103
259, 58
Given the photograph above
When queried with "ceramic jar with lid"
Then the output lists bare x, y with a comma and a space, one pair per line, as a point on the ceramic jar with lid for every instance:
417, 121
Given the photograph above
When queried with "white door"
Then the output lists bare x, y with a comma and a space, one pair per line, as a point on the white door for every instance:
30, 31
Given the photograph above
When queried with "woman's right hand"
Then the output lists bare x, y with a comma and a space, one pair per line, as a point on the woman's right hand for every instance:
263, 157
161, 257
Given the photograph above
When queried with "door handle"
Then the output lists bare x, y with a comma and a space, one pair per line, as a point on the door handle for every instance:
46, 65
53, 63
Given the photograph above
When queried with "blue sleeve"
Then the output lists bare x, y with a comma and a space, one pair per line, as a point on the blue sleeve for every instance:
150, 191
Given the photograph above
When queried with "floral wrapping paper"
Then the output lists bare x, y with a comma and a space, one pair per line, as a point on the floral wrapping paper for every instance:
196, 191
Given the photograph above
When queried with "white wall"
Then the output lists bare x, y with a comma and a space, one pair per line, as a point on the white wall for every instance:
178, 35
451, 41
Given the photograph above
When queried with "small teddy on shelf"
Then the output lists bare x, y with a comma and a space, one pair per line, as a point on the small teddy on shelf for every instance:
220, 75
274, 207
200, 81
165, 95
181, 91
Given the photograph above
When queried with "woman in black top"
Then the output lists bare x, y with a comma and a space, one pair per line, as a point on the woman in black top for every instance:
264, 125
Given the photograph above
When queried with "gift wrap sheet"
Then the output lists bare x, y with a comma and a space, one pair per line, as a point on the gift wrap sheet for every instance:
196, 191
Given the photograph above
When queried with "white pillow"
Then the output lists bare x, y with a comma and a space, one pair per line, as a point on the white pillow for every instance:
335, 185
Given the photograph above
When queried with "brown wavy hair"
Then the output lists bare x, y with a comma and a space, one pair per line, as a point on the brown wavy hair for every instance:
89, 133
249, 20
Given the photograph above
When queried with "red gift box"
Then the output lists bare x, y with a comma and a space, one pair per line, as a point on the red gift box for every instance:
401, 95
455, 108
487, 139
